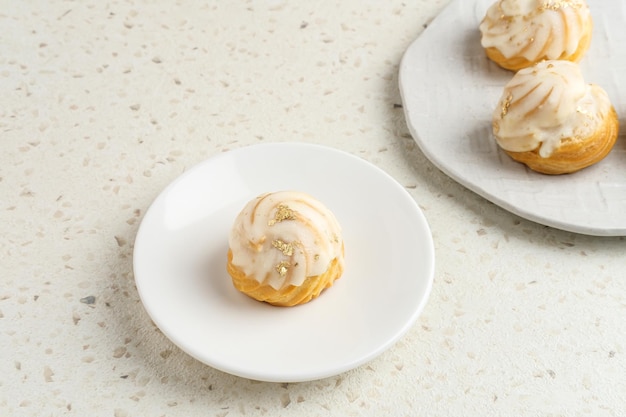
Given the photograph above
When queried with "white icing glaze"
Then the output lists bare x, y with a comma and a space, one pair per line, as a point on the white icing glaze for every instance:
546, 103
304, 243
535, 29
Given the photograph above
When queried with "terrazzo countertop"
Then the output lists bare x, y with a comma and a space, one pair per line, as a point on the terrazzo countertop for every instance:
103, 104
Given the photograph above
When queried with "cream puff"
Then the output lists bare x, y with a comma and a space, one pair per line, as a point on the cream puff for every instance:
285, 248
550, 119
519, 33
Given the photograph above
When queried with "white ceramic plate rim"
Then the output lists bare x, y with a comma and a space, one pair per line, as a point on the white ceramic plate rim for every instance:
178, 309
449, 90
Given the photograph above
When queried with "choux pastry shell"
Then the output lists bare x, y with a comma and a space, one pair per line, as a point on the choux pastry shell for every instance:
551, 120
285, 248
519, 33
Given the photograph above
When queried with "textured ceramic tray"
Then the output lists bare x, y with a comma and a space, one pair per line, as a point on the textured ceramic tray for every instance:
449, 90
180, 265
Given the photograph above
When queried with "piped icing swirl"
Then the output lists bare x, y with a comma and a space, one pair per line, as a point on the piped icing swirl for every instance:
536, 29
546, 103
282, 238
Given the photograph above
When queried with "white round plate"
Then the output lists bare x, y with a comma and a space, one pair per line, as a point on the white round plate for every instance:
450, 89
180, 265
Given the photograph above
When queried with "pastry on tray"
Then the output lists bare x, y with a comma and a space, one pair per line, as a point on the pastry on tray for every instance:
519, 33
285, 248
550, 119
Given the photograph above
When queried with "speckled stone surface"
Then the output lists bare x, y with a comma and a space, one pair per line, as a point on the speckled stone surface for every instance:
102, 104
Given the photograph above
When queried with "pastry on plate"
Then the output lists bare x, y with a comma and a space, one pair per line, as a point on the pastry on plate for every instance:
550, 119
285, 248
519, 33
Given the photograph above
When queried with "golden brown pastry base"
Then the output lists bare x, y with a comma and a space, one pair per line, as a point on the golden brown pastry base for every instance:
574, 155
290, 295
516, 63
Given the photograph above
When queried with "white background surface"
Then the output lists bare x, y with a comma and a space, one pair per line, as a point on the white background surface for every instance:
103, 104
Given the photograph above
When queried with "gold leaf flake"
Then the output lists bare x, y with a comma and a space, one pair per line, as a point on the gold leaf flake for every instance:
282, 268
284, 247
283, 212
506, 105
557, 5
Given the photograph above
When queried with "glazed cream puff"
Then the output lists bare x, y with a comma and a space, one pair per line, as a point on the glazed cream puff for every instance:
550, 119
285, 248
519, 33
